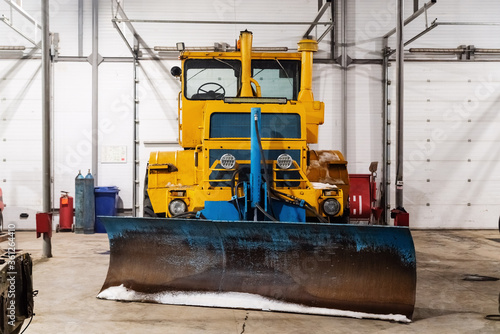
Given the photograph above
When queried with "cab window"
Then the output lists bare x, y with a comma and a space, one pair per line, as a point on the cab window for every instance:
211, 79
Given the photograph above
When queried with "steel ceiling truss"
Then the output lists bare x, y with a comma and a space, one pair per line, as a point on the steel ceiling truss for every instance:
120, 16
36, 39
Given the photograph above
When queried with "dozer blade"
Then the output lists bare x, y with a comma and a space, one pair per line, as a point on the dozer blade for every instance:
347, 270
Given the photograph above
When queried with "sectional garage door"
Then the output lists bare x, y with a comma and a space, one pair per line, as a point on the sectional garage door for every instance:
452, 144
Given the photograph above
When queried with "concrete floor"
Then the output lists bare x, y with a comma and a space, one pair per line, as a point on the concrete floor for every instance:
69, 282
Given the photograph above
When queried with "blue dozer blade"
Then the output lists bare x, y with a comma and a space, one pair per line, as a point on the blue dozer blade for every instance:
358, 268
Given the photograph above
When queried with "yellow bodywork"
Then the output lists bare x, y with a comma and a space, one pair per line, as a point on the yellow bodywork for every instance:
186, 174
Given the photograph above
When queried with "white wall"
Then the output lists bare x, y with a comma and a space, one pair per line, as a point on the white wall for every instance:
367, 22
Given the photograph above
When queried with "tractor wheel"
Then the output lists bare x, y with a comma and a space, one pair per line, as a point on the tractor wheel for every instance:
344, 219
147, 210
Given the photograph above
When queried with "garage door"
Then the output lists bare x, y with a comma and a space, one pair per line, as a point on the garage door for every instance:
452, 144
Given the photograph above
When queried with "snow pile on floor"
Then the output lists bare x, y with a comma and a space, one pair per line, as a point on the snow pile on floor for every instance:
235, 300
320, 185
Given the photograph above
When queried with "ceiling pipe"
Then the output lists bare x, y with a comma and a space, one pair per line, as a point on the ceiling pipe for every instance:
12, 48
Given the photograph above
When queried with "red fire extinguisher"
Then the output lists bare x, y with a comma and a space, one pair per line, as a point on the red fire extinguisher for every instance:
65, 213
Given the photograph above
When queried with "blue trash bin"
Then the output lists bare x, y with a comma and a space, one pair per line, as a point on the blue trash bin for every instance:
106, 202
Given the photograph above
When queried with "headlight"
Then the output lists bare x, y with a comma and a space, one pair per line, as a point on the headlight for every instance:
331, 207
284, 161
176, 207
228, 161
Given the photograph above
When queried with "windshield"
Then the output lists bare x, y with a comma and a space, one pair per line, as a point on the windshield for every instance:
277, 78
211, 79
215, 79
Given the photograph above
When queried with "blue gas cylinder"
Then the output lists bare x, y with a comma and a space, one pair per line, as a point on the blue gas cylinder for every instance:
89, 203
84, 204
79, 206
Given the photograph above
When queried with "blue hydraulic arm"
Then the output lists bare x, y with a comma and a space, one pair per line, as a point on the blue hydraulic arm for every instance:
255, 164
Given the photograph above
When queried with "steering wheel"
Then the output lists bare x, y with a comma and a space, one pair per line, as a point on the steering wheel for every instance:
212, 92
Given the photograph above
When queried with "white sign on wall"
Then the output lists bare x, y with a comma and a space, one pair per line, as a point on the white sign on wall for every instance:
114, 154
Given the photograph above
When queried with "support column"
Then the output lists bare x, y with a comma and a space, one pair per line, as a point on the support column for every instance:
95, 91
344, 64
46, 109
136, 174
386, 179
80, 28
400, 103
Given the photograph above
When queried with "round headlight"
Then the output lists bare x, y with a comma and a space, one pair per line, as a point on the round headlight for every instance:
284, 161
331, 207
228, 161
176, 207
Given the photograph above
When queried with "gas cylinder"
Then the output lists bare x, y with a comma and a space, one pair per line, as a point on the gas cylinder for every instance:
89, 203
79, 207
84, 203
65, 213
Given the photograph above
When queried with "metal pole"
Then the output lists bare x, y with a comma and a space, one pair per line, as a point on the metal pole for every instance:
95, 90
80, 28
321, 11
400, 103
386, 178
243, 23
343, 10
413, 16
333, 32
21, 11
135, 190
46, 108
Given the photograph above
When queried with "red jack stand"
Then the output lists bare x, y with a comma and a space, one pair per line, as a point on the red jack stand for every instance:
44, 227
400, 216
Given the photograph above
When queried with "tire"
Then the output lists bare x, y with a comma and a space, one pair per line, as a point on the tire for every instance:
344, 219
1, 221
147, 207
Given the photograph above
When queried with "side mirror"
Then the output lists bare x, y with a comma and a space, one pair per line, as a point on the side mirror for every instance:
176, 71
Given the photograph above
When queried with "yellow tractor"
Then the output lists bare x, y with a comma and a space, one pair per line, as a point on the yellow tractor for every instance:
246, 213
219, 90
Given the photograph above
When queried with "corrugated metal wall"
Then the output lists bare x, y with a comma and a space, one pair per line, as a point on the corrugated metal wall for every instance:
367, 21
